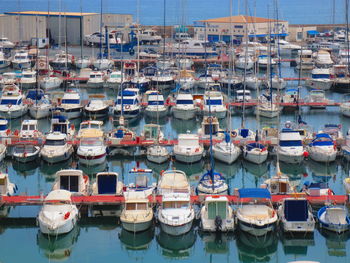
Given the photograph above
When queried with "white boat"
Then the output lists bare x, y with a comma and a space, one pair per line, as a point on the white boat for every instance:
255, 152
127, 104
3, 150
73, 181
244, 61
96, 108
155, 106
71, 105
267, 109
6, 43
256, 218
190, 47
6, 187
83, 62
157, 154
323, 59
184, 63
176, 213
29, 129
107, 183
162, 79
320, 79
317, 189
115, 79
91, 150
141, 183
318, 97
62, 61
61, 124
26, 153
50, 82
333, 130
40, 104
137, 214
278, 83
214, 104
4, 63
334, 218
217, 215
212, 183
295, 215
21, 60
204, 81
185, 80
286, 47
148, 36
103, 64
346, 148
4, 128
263, 61
152, 132
10, 78
58, 214
253, 82
11, 103
322, 148
96, 80
290, 147
140, 82
28, 79
304, 60
56, 149
184, 108
210, 125
173, 181
188, 149
226, 152
164, 62
279, 184
243, 134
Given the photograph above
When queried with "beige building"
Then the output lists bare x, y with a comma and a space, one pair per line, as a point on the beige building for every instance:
299, 33
23, 26
221, 29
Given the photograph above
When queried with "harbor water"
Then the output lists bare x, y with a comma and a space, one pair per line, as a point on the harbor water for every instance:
102, 239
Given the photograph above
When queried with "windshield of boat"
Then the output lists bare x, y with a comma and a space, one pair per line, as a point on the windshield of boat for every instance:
20, 57
91, 142
10, 101
291, 143
28, 76
127, 101
116, 75
175, 204
97, 76
190, 102
54, 142
30, 127
89, 125
136, 206
214, 102
3, 127
70, 101
25, 149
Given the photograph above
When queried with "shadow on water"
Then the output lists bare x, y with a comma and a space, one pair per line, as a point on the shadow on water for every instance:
26, 169
297, 244
49, 170
256, 249
176, 247
216, 243
322, 172
58, 248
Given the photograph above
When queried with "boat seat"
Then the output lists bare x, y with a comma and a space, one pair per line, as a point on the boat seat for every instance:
336, 215
244, 133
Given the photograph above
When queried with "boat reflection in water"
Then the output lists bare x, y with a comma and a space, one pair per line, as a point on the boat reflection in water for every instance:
297, 243
26, 169
94, 169
139, 241
182, 126
295, 172
256, 170
336, 243
216, 243
58, 248
322, 172
176, 247
157, 168
193, 171
256, 248
49, 170
228, 170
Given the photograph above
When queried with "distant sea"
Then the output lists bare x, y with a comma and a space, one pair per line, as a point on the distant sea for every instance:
150, 12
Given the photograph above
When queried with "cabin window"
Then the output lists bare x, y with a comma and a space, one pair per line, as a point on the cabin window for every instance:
69, 183
291, 143
217, 209
60, 128
131, 206
91, 142
184, 102
32, 127
125, 101
70, 101
3, 181
25, 127
175, 204
3, 127
214, 129
54, 142
8, 101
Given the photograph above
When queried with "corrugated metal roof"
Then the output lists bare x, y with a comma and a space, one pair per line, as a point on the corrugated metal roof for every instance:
241, 19
44, 13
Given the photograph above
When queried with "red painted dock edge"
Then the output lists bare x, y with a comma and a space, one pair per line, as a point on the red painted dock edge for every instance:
113, 199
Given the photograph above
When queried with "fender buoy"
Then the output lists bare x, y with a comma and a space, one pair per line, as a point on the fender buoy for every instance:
127, 107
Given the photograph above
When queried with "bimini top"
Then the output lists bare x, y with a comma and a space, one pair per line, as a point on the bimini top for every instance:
59, 195
254, 193
322, 139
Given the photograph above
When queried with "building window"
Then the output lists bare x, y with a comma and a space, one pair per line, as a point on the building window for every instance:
299, 35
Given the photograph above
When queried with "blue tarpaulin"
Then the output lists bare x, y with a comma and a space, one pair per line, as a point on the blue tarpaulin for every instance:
312, 32
254, 193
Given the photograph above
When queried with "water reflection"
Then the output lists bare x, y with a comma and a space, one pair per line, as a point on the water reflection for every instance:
297, 244
182, 126
216, 243
322, 172
58, 248
256, 249
136, 241
176, 247
336, 243
49, 170
26, 169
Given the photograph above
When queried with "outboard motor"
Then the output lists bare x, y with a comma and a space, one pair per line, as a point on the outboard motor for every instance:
218, 223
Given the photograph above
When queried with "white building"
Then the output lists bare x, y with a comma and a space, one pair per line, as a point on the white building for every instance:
221, 29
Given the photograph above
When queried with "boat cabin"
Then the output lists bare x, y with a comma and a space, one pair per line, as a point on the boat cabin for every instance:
29, 129
107, 184
151, 132
59, 124
216, 206
72, 180
210, 124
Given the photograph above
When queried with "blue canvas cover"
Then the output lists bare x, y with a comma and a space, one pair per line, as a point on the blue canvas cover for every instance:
107, 184
296, 210
254, 193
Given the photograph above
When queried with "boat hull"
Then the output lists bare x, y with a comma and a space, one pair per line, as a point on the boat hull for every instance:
137, 227
176, 230
186, 158
184, 114
92, 160
63, 229
256, 230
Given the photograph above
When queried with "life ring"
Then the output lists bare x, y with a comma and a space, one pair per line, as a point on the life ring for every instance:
288, 125
127, 107
9, 105
234, 134
210, 119
41, 64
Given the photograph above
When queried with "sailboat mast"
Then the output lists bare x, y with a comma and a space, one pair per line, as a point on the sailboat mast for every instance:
36, 63
347, 31
164, 16
101, 20
245, 63
81, 30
